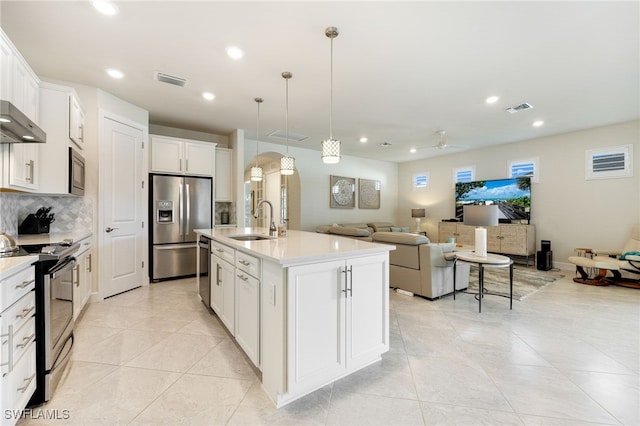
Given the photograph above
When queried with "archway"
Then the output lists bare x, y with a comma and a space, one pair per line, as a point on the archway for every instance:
282, 191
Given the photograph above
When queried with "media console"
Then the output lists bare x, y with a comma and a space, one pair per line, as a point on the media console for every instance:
509, 239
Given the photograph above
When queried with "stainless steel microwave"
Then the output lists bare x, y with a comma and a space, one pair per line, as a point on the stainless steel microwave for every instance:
76, 172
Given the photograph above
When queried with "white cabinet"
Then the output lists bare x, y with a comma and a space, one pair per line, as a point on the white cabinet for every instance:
223, 181
181, 156
247, 325
57, 106
17, 336
76, 121
337, 316
19, 85
82, 276
223, 284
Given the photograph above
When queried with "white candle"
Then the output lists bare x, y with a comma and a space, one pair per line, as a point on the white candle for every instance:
481, 242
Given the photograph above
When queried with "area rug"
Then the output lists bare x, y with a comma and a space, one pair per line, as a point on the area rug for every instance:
526, 281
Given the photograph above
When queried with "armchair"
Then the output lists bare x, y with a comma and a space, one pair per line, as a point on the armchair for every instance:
421, 267
617, 262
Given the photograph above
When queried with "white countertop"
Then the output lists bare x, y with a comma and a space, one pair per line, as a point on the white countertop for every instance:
298, 247
11, 265
26, 239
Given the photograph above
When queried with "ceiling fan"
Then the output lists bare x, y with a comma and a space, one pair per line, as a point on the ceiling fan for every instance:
443, 142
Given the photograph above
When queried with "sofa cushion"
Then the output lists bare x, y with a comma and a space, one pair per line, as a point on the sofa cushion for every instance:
400, 238
381, 226
355, 225
349, 231
399, 229
323, 229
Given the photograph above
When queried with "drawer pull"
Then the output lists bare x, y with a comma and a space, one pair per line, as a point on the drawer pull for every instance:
25, 341
243, 278
244, 262
219, 250
26, 283
25, 312
28, 380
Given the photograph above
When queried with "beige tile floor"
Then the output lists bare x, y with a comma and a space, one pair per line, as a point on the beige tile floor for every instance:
567, 355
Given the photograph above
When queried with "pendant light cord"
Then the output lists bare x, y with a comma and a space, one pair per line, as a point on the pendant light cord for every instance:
258, 131
286, 115
331, 95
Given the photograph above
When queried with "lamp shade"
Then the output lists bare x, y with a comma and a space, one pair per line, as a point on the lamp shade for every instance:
481, 215
418, 213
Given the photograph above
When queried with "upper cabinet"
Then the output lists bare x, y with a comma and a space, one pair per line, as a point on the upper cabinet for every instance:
182, 156
61, 118
19, 85
224, 191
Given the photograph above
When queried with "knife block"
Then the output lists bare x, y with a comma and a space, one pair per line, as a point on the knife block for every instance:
31, 225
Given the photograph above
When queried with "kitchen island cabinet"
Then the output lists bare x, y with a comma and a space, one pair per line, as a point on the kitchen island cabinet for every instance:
322, 308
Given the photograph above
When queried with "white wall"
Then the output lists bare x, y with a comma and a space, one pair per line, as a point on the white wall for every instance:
565, 208
314, 185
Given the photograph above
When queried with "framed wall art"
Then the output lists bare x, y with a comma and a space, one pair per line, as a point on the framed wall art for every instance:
368, 194
342, 192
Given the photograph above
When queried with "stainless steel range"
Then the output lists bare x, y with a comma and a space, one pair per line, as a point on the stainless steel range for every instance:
54, 314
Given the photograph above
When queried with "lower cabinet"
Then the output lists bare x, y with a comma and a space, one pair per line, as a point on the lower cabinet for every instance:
248, 305
17, 343
82, 277
337, 319
223, 291
513, 239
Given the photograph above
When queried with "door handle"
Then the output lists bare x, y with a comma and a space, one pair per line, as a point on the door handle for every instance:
110, 229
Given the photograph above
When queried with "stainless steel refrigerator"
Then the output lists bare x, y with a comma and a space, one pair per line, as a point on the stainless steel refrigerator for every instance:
178, 205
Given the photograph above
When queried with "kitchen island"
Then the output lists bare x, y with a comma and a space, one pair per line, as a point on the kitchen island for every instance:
307, 309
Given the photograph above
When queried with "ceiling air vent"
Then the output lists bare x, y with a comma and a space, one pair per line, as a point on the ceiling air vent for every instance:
171, 79
385, 144
521, 107
296, 137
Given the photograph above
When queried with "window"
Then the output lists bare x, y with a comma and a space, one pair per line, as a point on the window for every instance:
522, 168
609, 163
464, 174
421, 181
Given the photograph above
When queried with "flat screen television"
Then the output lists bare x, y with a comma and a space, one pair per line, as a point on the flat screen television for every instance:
513, 197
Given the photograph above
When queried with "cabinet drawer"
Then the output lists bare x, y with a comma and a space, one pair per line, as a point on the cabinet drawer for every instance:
16, 286
23, 338
18, 387
223, 252
248, 264
19, 314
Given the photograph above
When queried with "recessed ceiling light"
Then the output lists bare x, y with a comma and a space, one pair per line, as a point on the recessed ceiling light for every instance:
538, 123
114, 73
105, 7
235, 52
412, 150
492, 99
208, 96
363, 139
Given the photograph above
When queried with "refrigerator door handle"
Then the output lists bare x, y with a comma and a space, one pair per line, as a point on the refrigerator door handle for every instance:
174, 246
188, 221
181, 208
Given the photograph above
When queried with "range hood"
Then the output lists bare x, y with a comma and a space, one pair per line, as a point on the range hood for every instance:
15, 127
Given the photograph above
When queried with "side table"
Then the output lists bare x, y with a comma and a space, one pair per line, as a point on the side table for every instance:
492, 260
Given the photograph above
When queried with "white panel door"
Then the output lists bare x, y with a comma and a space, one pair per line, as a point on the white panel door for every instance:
121, 200
316, 317
367, 308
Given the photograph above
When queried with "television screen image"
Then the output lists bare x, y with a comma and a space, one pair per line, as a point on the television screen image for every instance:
513, 197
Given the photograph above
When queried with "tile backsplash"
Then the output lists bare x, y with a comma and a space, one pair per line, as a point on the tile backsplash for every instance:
71, 213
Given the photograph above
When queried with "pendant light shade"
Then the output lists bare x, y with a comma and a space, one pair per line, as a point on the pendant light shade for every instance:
256, 172
331, 146
287, 163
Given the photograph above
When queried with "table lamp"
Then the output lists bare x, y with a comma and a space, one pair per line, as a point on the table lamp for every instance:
481, 215
418, 214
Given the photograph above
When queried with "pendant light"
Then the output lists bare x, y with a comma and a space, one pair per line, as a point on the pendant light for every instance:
287, 163
256, 172
331, 146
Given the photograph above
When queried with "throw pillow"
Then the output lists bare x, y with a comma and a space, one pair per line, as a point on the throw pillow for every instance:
404, 229
396, 229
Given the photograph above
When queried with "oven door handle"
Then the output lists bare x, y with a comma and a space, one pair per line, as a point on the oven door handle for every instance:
62, 267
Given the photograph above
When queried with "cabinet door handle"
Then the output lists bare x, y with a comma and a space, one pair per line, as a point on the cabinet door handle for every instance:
89, 263
25, 341
351, 280
28, 380
25, 312
9, 340
243, 277
218, 279
345, 272
26, 283
29, 177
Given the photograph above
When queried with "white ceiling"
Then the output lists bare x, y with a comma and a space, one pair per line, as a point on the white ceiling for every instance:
402, 70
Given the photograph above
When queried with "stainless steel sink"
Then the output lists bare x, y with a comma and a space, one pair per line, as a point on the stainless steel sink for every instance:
250, 237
